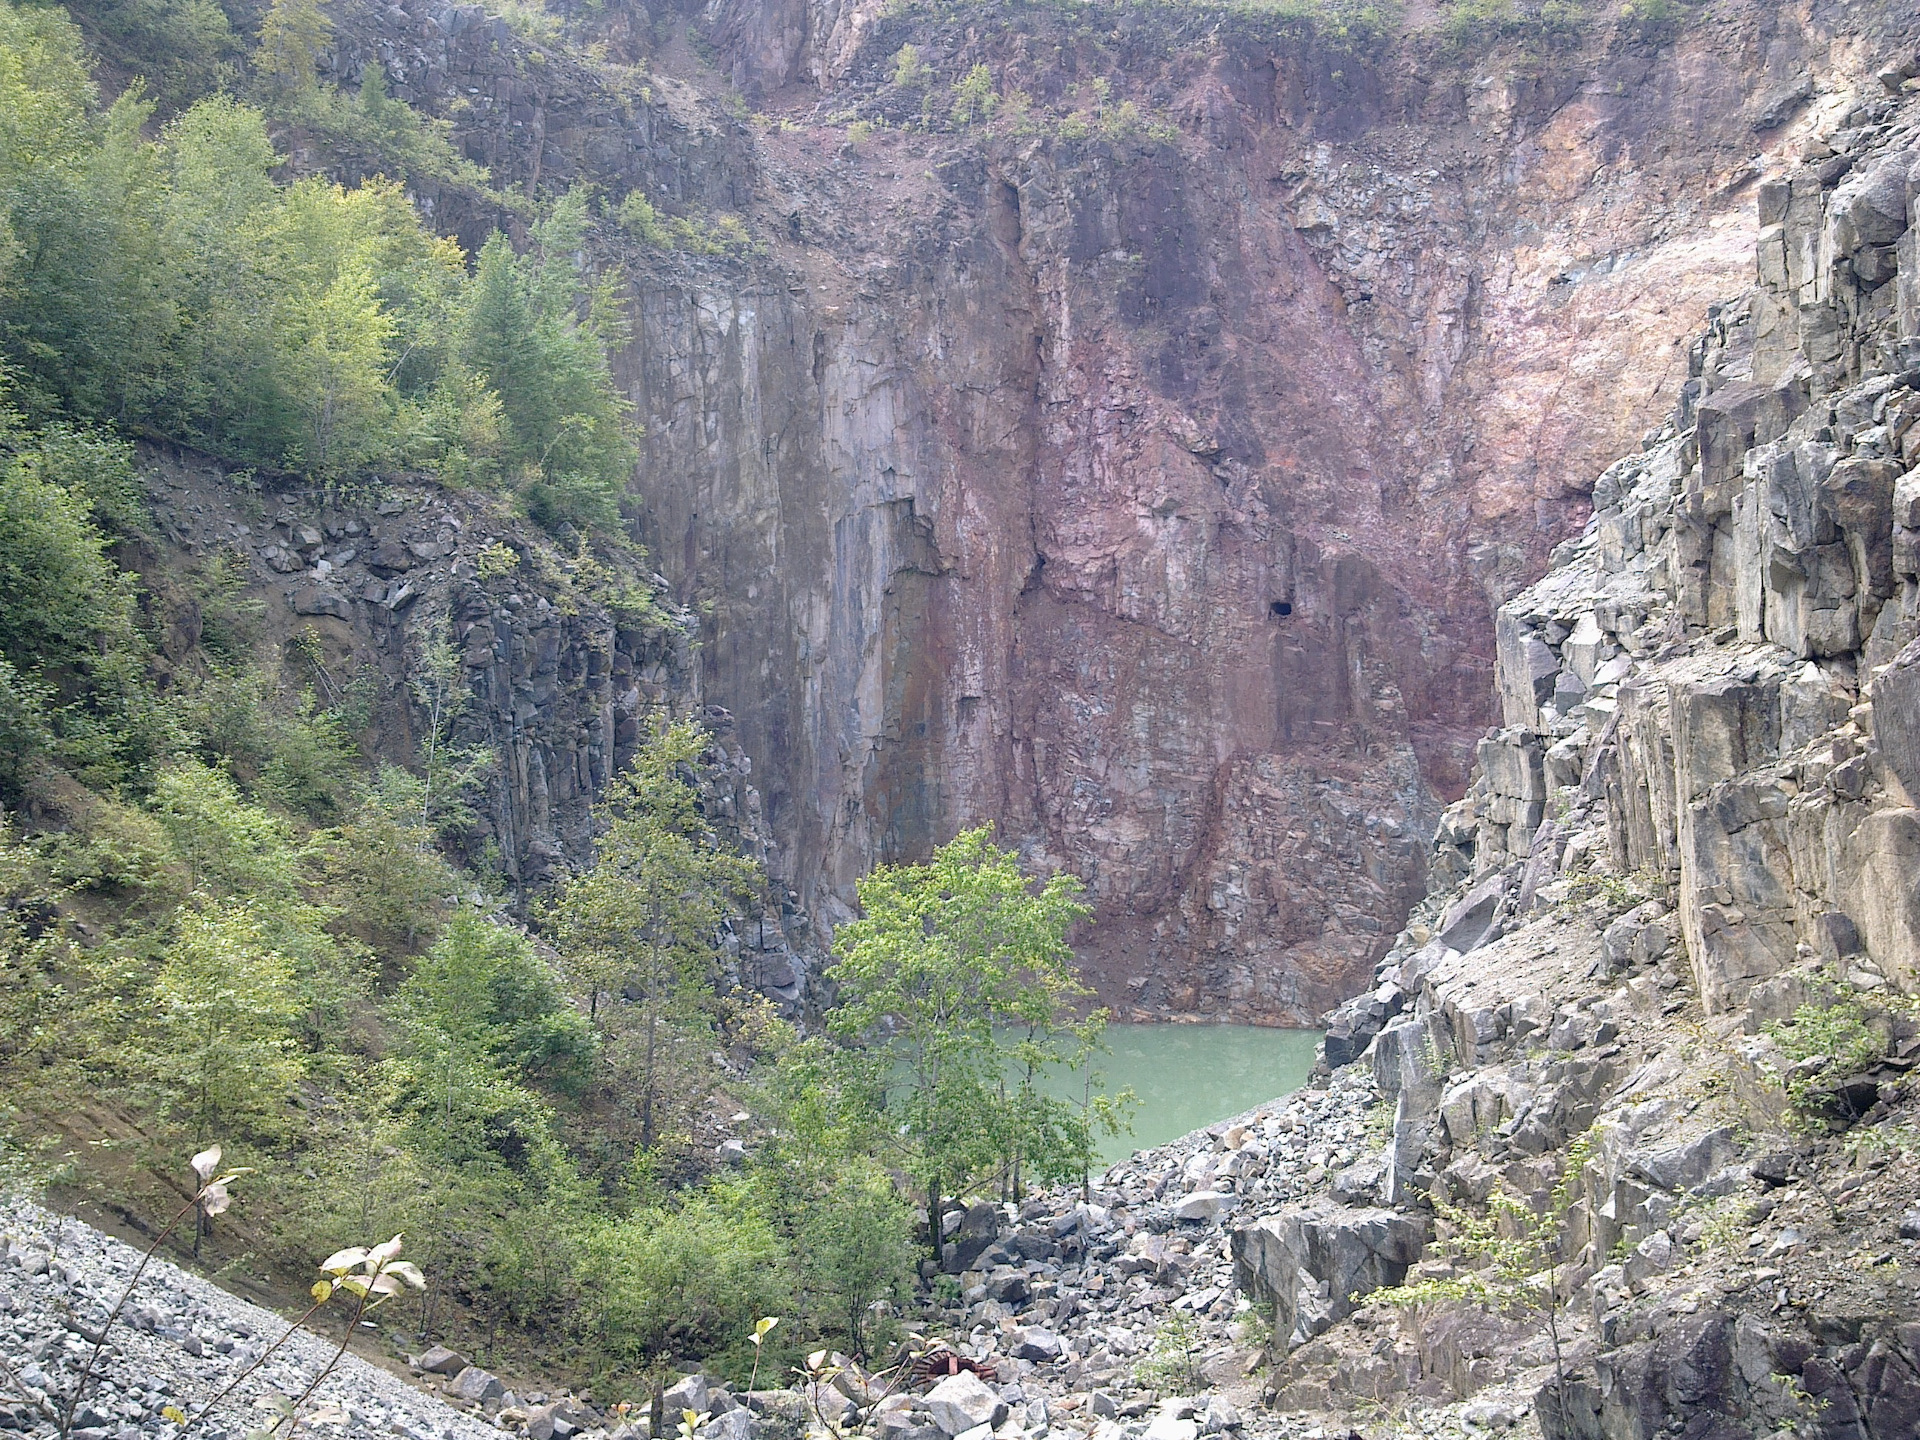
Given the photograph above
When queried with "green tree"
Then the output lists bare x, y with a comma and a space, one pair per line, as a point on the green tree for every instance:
649, 911
481, 987
910, 72
1512, 1256
185, 48
292, 36
974, 97
79, 310
391, 882
224, 1006
438, 679
853, 1245
67, 604
75, 679
537, 332
944, 954
226, 843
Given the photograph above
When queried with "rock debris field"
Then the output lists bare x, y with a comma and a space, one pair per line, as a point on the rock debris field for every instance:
1059, 1301
177, 1344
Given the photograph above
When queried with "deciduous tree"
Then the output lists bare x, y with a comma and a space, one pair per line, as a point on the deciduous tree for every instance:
945, 954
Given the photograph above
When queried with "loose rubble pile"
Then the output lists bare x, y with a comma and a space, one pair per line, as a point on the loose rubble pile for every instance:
178, 1343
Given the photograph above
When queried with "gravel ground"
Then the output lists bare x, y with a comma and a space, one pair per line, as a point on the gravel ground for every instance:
179, 1341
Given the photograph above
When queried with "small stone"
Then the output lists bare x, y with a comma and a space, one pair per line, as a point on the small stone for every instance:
1910, 1224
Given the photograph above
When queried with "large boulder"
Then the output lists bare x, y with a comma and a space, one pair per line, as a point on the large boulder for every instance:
960, 1402
689, 1392
476, 1386
1474, 919
1031, 1342
318, 600
979, 1227
1202, 1205
556, 1421
735, 1424
1351, 1027
779, 1414
1685, 1163
1309, 1262
439, 1360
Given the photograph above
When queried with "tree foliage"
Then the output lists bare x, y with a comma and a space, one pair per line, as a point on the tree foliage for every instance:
645, 918
958, 974
171, 285
223, 1009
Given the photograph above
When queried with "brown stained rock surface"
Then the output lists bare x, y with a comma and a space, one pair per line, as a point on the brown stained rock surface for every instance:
1144, 488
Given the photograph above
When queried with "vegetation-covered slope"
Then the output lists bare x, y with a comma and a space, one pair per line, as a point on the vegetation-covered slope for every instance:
246, 898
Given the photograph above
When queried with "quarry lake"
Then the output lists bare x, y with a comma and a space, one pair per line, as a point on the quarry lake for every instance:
1187, 1076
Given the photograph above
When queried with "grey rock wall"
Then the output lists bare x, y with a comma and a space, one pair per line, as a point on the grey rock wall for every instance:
1697, 818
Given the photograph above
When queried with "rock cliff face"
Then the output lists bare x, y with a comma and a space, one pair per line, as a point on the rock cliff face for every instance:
533, 676
1139, 479
1662, 994
1149, 496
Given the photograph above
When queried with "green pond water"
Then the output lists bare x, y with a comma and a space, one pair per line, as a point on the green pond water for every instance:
1188, 1076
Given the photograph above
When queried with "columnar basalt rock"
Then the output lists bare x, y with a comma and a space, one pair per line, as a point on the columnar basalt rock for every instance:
1710, 695
481, 643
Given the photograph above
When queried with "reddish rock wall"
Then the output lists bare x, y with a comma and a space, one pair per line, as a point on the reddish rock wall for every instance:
991, 470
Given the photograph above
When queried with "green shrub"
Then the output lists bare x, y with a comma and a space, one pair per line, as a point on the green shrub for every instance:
973, 97
120, 851
222, 1047
1825, 1043
690, 1279
66, 603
